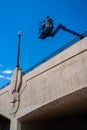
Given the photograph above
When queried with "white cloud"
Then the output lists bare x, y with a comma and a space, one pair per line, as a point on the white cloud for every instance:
8, 78
8, 71
3, 77
5, 73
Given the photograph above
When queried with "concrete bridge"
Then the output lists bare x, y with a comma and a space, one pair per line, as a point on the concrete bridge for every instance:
52, 96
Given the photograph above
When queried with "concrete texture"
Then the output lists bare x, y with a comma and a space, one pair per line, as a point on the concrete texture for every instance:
56, 87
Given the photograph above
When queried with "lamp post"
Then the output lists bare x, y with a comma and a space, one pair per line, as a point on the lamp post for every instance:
18, 55
16, 82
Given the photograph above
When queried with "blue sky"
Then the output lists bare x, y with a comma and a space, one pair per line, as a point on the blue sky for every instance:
24, 16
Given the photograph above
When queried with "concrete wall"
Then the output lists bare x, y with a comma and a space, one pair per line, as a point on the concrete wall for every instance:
62, 75
5, 102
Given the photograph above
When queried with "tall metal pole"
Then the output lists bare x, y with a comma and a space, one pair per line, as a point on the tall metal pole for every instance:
18, 55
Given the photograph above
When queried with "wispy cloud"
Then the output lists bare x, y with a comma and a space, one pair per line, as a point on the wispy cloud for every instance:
4, 77
8, 78
8, 71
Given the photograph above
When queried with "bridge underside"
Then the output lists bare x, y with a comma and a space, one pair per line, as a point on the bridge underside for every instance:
67, 112
4, 123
